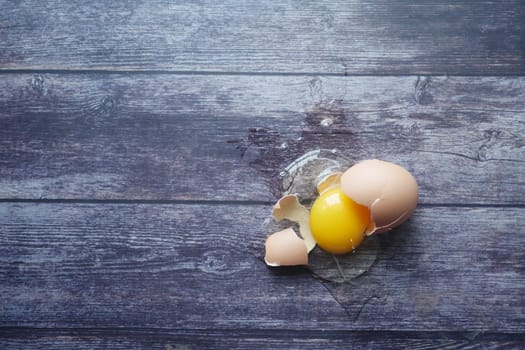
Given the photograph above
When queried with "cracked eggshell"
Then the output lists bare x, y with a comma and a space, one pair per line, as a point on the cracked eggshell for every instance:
284, 248
387, 189
289, 207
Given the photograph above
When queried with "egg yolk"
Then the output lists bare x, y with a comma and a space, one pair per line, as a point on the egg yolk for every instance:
337, 222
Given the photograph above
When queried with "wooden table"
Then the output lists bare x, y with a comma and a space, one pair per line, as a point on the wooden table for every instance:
140, 151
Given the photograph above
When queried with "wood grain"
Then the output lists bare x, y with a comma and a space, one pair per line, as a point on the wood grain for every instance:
208, 137
339, 37
192, 267
140, 151
166, 339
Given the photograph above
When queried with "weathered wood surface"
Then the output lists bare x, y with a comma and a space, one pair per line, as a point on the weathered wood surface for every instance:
209, 137
141, 142
194, 267
166, 339
355, 37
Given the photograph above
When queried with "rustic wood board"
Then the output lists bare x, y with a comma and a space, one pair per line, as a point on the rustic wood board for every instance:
166, 339
355, 37
196, 267
209, 137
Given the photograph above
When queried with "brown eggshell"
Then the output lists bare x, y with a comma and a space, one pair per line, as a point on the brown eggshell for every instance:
387, 189
284, 248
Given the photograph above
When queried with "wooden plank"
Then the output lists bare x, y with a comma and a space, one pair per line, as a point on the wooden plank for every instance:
209, 137
192, 267
165, 339
339, 37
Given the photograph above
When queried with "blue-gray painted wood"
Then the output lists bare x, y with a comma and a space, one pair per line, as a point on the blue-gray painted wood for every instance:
184, 266
208, 137
168, 339
339, 37
140, 145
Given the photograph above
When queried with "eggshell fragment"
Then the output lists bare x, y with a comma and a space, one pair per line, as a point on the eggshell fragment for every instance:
284, 248
330, 181
387, 189
288, 207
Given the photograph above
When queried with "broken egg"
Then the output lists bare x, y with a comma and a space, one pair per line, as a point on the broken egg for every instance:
371, 196
388, 190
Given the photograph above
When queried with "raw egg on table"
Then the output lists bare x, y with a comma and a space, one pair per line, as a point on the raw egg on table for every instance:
373, 196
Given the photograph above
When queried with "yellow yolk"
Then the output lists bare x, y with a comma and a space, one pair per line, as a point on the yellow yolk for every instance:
338, 223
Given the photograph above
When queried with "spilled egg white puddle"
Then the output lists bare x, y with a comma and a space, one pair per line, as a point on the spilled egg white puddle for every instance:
301, 177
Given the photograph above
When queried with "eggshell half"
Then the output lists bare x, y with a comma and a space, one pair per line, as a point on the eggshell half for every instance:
387, 189
284, 248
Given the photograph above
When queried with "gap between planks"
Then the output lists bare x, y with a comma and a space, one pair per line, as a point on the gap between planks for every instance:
223, 202
111, 71
11, 332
